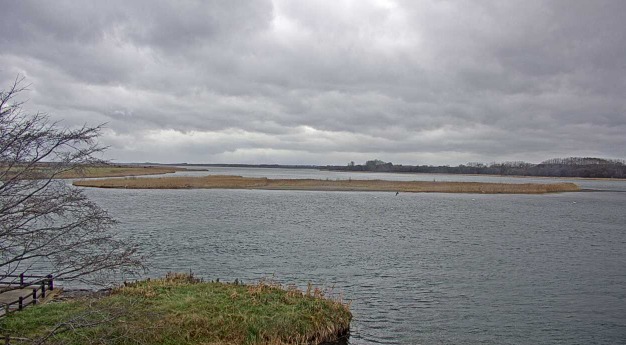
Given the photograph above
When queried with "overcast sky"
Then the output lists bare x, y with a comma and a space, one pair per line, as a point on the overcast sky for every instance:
327, 82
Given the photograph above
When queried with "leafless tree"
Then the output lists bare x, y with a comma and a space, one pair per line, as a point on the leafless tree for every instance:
44, 222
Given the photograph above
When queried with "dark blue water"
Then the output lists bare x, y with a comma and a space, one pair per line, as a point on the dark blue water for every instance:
418, 268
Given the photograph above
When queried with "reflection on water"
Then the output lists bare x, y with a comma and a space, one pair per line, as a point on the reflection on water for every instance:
418, 268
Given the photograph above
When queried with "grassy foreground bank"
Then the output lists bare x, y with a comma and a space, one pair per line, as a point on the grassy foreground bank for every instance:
179, 309
238, 182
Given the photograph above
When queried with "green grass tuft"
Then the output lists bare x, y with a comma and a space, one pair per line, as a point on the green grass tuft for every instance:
180, 309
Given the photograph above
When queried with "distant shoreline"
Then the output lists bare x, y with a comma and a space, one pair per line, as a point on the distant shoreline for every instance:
325, 168
238, 182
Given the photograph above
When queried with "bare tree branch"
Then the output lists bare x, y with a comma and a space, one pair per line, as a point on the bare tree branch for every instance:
94, 316
44, 222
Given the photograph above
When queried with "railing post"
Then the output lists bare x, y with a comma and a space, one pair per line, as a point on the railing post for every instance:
21, 279
50, 282
7, 309
43, 289
7, 339
34, 295
20, 303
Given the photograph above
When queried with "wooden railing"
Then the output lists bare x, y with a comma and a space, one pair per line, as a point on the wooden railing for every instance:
38, 288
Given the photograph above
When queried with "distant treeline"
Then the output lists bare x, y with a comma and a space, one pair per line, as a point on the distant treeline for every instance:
277, 166
556, 167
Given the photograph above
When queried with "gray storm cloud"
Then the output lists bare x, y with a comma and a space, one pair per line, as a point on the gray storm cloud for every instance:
327, 82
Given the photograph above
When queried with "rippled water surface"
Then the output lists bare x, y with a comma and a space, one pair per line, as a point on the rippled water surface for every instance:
418, 268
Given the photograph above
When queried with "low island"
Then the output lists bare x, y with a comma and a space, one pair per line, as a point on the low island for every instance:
238, 182
46, 171
117, 171
181, 309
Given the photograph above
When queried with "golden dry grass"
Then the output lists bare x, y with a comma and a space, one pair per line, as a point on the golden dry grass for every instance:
45, 171
238, 182
117, 171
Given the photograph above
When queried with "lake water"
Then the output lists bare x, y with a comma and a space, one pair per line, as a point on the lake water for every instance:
418, 268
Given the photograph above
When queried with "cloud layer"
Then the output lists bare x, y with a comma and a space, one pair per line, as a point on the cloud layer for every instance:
327, 82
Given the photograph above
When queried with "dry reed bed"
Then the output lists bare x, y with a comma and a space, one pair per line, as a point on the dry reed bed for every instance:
45, 171
238, 182
117, 171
